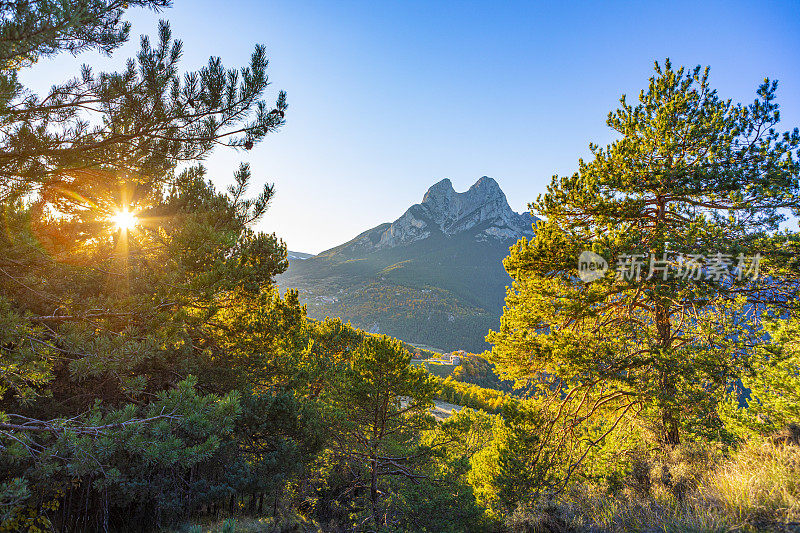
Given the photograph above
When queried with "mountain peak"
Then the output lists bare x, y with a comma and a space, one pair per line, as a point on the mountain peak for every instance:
440, 191
485, 182
444, 185
482, 210
445, 206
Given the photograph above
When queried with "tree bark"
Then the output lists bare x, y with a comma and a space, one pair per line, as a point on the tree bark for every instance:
373, 488
669, 417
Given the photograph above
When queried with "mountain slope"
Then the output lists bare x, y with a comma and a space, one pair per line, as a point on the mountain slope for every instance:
298, 255
432, 277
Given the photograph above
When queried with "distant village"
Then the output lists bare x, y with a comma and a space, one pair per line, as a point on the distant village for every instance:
452, 358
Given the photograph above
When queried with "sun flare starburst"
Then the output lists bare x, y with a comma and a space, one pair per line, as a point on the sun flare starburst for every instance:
124, 220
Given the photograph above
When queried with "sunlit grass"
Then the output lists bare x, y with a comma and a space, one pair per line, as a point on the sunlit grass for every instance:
756, 488
761, 483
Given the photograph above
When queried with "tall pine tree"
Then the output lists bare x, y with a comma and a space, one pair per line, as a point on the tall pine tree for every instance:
693, 186
114, 270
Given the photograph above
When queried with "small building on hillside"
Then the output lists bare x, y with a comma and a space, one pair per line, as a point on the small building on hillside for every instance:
455, 357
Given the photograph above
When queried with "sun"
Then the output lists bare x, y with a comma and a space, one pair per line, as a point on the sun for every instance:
124, 220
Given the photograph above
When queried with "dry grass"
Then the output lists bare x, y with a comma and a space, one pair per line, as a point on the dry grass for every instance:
760, 484
690, 489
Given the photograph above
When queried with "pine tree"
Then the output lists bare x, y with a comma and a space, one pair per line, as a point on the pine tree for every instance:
134, 125
381, 403
118, 274
35, 29
690, 174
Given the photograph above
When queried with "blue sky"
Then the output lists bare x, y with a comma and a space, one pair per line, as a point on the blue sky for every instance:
388, 97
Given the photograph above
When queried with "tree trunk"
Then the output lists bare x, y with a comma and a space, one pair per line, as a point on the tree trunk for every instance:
671, 430
373, 489
669, 417
670, 426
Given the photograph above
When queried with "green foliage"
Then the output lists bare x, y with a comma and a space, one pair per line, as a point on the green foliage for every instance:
456, 440
104, 326
136, 124
477, 370
144, 457
440, 370
440, 499
773, 381
622, 367
488, 400
690, 173
420, 353
195, 276
445, 506
380, 404
277, 435
517, 464
23, 368
41, 28
396, 310
154, 374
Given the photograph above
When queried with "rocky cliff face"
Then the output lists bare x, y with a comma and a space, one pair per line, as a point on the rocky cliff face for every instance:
483, 209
